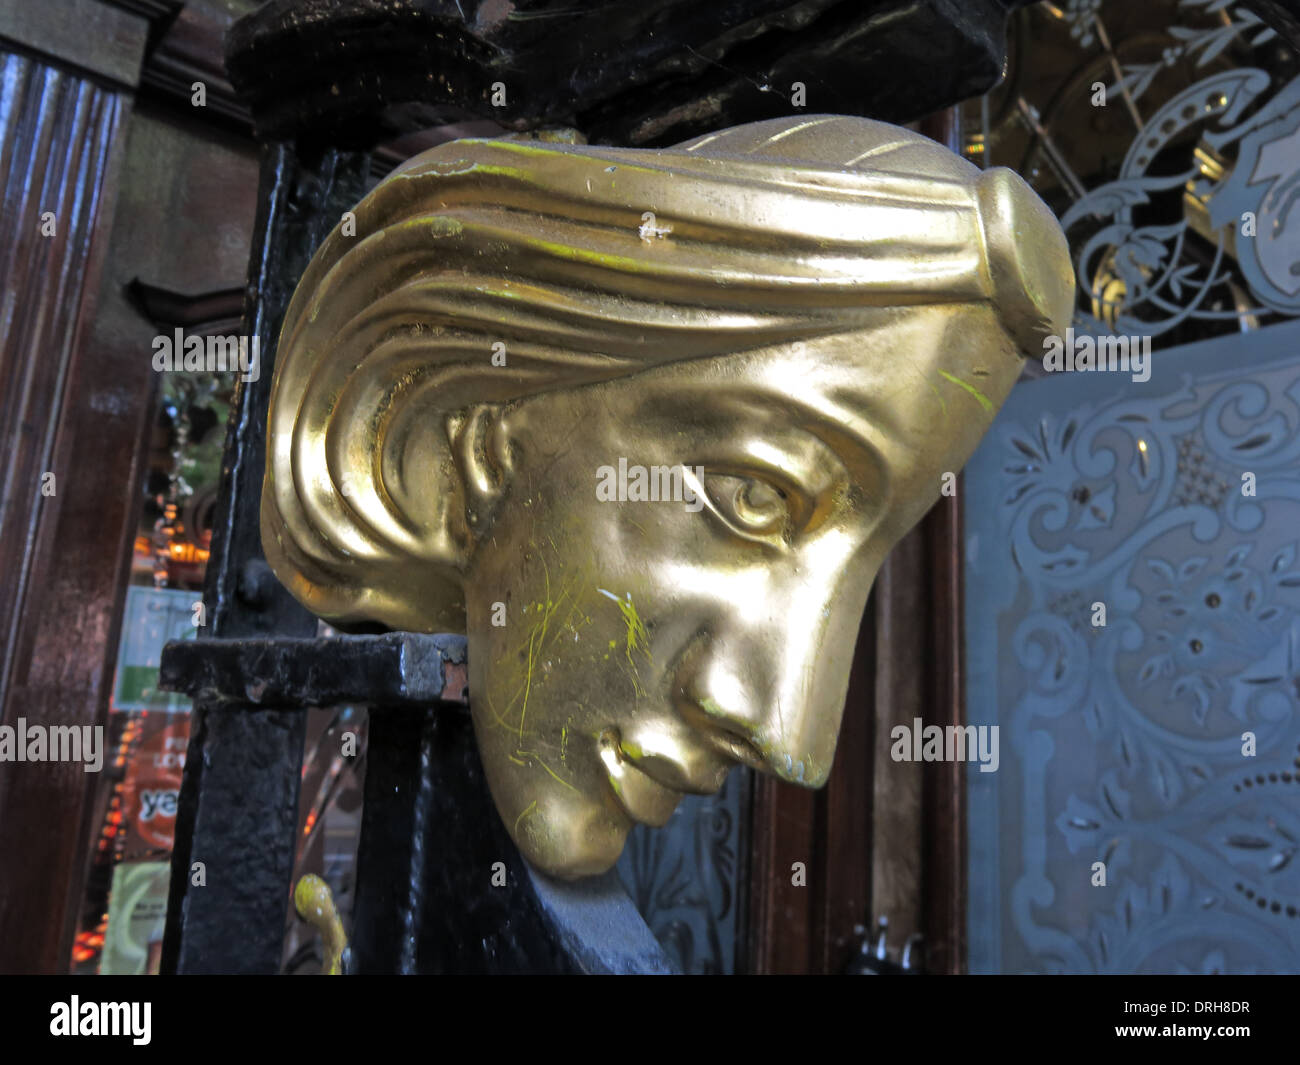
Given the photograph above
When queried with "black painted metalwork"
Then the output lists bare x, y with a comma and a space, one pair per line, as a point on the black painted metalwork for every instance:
442, 888
396, 669
237, 819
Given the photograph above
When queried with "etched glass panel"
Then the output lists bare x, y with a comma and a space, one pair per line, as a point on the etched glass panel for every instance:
1160, 738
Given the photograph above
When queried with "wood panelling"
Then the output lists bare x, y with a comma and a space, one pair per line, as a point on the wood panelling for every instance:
60, 553
903, 677
811, 928
943, 804
56, 137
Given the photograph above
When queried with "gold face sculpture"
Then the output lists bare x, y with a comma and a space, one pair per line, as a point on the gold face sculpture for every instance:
645, 423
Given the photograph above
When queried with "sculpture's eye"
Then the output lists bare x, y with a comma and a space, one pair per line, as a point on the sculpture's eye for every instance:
751, 506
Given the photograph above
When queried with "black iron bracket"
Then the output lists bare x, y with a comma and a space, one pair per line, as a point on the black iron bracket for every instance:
440, 885
395, 669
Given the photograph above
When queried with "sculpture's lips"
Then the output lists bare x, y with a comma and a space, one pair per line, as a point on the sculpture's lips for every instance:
643, 798
727, 744
739, 750
648, 788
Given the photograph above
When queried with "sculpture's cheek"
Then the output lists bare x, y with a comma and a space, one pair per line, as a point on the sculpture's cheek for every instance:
553, 688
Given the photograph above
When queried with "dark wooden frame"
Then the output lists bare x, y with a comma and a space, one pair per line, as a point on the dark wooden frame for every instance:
944, 790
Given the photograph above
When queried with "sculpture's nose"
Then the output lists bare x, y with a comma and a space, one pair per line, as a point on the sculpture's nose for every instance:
770, 691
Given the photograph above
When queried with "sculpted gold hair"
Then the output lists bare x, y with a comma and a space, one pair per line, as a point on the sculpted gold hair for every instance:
811, 320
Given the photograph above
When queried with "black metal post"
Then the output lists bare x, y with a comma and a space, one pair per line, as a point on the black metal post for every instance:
236, 825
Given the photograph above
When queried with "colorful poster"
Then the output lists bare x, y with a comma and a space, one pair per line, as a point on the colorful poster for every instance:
137, 909
154, 616
151, 788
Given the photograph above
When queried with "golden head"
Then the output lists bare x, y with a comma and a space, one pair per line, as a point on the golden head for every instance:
644, 424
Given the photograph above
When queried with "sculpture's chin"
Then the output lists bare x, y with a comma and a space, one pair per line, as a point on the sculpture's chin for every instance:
571, 869
572, 838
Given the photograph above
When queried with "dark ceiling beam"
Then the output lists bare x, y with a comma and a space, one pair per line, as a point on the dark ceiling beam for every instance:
640, 72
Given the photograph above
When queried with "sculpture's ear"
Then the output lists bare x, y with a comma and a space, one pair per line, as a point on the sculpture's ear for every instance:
480, 449
384, 536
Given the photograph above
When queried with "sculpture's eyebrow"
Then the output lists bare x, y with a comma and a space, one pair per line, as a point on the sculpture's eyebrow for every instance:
791, 452
856, 452
809, 438
830, 442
